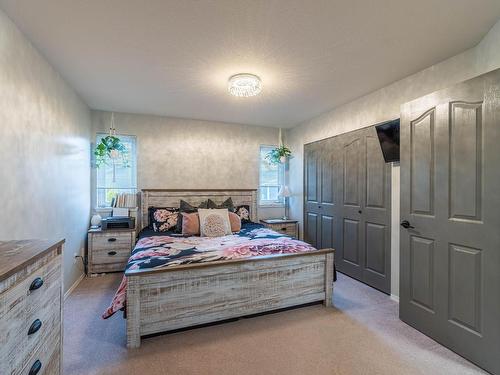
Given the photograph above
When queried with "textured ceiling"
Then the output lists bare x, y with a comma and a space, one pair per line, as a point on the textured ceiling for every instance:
173, 58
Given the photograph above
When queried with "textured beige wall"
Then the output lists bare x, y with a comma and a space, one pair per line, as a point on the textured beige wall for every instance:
383, 105
177, 153
44, 150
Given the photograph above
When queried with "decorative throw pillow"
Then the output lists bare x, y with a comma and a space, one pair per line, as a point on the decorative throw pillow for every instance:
186, 207
163, 219
243, 212
235, 222
228, 203
214, 222
190, 224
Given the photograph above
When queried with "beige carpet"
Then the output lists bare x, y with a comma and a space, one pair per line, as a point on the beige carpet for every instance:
362, 335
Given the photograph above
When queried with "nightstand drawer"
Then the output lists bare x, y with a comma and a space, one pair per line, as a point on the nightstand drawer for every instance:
288, 229
109, 255
112, 241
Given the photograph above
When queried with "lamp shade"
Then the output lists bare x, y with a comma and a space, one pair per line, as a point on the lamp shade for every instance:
284, 191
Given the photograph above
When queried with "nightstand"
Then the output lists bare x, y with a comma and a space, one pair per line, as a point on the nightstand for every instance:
288, 227
109, 250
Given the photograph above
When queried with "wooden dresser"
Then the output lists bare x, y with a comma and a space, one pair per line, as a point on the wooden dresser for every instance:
30, 307
109, 250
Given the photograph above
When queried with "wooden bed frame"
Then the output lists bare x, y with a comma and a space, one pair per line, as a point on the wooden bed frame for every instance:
160, 300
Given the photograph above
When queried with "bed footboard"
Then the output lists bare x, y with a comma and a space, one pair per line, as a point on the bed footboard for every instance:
167, 299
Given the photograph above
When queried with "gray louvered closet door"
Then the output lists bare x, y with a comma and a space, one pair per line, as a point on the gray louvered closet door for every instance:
450, 194
355, 217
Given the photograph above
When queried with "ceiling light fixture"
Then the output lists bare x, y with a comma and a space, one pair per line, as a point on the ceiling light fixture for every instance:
244, 85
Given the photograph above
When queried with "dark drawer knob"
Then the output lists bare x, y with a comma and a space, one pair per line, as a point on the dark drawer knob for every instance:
112, 239
111, 252
36, 284
35, 326
35, 368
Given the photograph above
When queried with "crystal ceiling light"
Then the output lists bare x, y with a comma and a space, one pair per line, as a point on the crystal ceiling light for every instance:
244, 85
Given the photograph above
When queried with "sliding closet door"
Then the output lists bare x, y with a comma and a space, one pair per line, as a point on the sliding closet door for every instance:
350, 253
328, 205
364, 188
347, 204
312, 165
450, 211
319, 188
376, 214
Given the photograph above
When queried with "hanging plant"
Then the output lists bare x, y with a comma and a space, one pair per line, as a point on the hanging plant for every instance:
280, 154
110, 148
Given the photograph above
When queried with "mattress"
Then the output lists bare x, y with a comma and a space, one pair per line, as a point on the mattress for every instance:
167, 250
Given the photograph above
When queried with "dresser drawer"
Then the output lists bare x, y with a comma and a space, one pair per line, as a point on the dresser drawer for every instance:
112, 241
47, 359
29, 318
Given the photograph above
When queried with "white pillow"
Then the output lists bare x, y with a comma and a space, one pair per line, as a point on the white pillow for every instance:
214, 222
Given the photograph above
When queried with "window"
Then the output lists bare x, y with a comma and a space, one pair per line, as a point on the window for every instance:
271, 178
112, 181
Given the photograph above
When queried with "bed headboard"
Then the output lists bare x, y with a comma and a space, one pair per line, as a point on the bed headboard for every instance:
172, 197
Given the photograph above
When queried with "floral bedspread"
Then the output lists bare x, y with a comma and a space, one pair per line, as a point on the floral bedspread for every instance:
169, 251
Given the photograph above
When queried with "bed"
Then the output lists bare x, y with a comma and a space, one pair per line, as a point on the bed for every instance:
174, 282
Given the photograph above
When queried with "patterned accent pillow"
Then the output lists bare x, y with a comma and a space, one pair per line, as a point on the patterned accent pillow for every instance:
243, 212
228, 203
214, 222
163, 219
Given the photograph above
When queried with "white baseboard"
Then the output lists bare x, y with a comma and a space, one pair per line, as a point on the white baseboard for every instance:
73, 287
395, 298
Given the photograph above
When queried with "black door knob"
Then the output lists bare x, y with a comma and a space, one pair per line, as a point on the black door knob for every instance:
406, 224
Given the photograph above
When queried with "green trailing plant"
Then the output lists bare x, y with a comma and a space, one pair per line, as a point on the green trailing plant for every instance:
110, 148
279, 155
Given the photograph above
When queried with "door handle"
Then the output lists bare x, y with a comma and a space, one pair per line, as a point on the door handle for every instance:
406, 224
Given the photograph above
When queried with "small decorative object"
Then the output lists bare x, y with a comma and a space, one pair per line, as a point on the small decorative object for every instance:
280, 154
244, 85
285, 193
96, 220
111, 148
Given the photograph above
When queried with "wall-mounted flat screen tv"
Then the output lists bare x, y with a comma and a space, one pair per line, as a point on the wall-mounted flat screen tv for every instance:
388, 136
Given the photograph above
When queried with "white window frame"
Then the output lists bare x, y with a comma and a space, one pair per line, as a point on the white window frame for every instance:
133, 164
281, 181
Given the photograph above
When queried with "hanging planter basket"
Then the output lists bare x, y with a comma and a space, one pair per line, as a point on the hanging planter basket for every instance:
111, 148
279, 155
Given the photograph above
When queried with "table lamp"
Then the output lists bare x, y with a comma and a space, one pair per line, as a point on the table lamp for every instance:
285, 193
